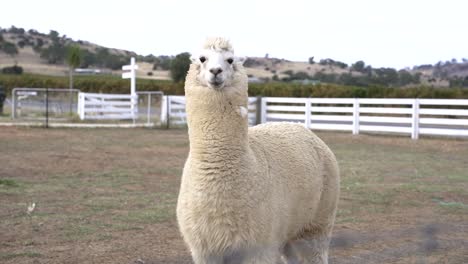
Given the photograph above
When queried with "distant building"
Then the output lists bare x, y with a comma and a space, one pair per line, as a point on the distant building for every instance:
254, 79
307, 81
81, 71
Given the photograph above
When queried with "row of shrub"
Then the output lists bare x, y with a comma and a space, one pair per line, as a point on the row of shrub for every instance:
341, 91
114, 84
95, 84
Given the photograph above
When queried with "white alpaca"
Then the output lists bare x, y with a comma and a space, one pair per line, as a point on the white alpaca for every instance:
261, 195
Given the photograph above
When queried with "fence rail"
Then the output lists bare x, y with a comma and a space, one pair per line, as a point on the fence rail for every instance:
107, 106
34, 103
173, 110
413, 117
62, 106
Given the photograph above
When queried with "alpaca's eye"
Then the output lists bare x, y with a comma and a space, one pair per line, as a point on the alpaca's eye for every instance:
230, 60
202, 59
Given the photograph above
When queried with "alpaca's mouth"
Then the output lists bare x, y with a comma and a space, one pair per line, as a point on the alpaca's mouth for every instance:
216, 84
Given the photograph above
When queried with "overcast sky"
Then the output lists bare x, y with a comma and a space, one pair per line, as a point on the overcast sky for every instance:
383, 33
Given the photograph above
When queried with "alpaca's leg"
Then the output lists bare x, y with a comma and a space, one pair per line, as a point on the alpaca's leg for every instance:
200, 258
241, 256
309, 249
257, 255
264, 258
270, 255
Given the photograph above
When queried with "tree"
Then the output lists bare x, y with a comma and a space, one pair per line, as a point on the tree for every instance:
74, 57
13, 70
33, 32
105, 58
88, 59
405, 77
38, 45
165, 62
358, 66
55, 53
21, 43
180, 66
162, 63
54, 35
386, 76
15, 30
301, 76
9, 48
311, 60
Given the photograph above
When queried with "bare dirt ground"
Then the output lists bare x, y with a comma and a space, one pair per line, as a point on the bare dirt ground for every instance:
109, 195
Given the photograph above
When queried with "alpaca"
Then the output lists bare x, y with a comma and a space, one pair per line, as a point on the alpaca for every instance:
266, 194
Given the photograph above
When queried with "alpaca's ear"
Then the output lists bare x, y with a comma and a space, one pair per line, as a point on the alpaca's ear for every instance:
241, 60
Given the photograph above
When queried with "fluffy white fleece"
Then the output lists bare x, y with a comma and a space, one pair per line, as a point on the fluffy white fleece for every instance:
252, 195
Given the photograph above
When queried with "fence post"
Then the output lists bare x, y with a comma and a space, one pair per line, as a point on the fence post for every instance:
356, 116
263, 111
168, 112
258, 110
308, 106
163, 110
47, 108
78, 106
13, 103
81, 105
148, 112
415, 120
134, 107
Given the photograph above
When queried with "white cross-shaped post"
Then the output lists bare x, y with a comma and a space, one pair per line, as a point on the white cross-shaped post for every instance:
132, 76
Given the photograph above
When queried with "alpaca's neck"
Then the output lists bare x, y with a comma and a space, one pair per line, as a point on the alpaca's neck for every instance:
217, 129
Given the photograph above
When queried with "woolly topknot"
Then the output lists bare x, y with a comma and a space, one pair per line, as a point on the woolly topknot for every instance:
218, 44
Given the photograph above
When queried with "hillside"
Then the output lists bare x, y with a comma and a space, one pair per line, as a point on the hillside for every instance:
45, 54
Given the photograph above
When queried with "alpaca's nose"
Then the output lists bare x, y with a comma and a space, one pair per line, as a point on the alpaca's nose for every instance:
216, 71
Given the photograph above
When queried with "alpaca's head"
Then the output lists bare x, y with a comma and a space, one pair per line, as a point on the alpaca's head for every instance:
216, 63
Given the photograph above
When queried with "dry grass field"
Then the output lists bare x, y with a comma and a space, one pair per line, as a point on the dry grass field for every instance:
109, 196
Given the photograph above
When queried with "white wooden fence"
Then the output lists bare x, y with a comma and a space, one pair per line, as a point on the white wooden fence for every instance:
174, 111
107, 106
112, 106
405, 116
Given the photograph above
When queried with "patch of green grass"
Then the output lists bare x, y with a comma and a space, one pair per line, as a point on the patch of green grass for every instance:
104, 237
433, 188
102, 204
459, 177
346, 220
168, 171
112, 180
422, 187
125, 226
95, 229
384, 198
28, 254
120, 212
345, 216
8, 183
74, 231
148, 216
451, 206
